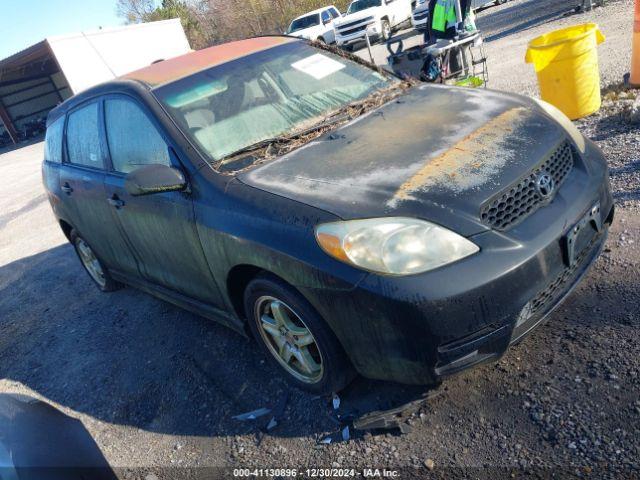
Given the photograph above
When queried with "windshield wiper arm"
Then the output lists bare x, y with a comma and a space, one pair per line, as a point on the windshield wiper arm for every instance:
341, 115
330, 120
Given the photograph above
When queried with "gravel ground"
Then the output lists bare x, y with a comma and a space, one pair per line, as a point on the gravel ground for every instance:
157, 386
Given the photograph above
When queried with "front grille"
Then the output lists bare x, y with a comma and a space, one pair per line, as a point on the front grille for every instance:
354, 30
347, 26
418, 17
520, 200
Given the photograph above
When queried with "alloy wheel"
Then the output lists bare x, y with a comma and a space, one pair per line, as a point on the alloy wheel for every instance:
386, 30
91, 262
288, 339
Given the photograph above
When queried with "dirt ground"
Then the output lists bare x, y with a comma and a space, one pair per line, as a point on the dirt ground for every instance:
157, 387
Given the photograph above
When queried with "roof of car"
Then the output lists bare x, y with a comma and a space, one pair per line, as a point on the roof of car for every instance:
193, 62
317, 10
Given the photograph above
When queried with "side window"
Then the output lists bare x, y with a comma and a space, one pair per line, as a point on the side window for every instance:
334, 12
133, 139
326, 18
53, 141
83, 137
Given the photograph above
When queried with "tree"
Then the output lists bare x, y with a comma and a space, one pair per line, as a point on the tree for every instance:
134, 11
139, 11
207, 22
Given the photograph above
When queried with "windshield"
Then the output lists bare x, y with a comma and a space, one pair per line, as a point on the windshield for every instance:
304, 22
359, 5
273, 93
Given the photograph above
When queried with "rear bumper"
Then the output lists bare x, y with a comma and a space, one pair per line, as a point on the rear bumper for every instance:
419, 329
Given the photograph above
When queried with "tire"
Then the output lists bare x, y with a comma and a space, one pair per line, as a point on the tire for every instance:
331, 369
385, 33
94, 267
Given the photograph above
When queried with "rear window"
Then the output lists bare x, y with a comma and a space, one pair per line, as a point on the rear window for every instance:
53, 141
83, 137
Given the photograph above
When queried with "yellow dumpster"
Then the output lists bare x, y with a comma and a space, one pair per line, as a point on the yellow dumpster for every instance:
566, 62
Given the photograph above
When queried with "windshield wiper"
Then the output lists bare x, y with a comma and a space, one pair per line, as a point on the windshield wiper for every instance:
283, 139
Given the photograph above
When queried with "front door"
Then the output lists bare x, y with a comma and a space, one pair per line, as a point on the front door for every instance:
328, 34
161, 227
82, 184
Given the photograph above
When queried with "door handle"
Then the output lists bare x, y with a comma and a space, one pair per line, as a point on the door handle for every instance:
115, 202
66, 188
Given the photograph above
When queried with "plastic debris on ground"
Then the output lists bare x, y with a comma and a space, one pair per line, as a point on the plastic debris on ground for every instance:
252, 415
336, 401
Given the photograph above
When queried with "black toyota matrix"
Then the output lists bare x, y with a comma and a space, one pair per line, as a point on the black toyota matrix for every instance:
350, 221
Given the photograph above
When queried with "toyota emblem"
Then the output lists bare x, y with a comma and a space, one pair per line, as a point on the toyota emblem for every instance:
545, 184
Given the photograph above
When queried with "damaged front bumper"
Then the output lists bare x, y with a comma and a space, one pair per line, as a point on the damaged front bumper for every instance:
419, 329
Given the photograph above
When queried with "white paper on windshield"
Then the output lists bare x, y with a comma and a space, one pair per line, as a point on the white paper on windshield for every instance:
318, 66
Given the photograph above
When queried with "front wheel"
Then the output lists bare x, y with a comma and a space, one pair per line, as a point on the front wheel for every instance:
93, 266
295, 337
386, 30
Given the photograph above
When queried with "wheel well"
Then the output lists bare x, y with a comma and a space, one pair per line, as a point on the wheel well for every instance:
66, 229
385, 18
237, 281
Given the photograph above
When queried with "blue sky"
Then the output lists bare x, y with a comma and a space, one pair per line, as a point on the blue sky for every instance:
25, 22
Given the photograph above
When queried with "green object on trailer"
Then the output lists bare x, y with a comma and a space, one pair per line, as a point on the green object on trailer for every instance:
444, 15
470, 81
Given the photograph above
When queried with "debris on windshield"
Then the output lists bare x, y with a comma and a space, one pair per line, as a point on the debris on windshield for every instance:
252, 415
276, 147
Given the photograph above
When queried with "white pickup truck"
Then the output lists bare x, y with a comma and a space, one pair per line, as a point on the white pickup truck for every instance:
376, 19
316, 25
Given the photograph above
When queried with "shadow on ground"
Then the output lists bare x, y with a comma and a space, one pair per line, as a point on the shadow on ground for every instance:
128, 358
518, 18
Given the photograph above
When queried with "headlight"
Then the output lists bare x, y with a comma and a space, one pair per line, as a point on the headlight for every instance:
564, 121
397, 246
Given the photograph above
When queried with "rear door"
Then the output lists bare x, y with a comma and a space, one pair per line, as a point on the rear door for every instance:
82, 185
161, 227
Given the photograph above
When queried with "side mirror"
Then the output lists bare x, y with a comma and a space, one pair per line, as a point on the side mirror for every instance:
152, 179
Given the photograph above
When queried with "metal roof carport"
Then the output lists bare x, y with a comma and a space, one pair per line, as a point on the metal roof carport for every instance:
31, 84
43, 75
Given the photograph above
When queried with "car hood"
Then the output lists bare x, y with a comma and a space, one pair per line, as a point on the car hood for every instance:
354, 17
436, 153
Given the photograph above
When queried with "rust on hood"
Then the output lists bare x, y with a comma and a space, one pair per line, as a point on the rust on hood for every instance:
471, 161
